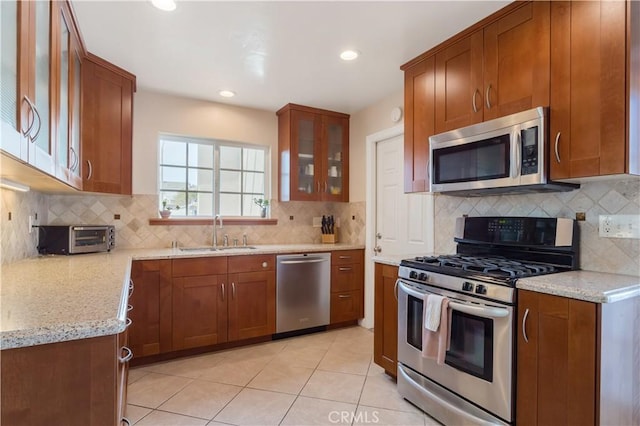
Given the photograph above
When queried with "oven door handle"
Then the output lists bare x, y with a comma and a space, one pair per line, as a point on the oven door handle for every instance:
481, 311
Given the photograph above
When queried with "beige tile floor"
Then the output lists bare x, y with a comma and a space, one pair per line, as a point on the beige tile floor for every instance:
326, 378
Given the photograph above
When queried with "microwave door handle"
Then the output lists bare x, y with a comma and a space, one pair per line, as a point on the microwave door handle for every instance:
481, 311
515, 167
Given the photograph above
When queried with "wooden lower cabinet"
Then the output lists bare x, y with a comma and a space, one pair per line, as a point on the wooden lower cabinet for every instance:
252, 303
385, 329
199, 309
577, 361
150, 330
347, 286
196, 302
79, 382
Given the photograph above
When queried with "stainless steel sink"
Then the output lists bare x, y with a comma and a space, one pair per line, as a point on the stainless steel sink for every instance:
217, 248
237, 248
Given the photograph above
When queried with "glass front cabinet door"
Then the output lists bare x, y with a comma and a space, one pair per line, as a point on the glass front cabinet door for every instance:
314, 148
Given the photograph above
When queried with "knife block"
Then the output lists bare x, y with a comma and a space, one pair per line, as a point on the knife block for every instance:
330, 238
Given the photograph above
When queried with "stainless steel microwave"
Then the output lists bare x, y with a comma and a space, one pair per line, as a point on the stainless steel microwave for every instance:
75, 239
505, 155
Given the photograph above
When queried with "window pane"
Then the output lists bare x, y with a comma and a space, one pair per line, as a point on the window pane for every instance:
254, 159
200, 180
229, 181
173, 153
201, 155
230, 205
230, 157
253, 183
174, 200
200, 204
249, 208
173, 178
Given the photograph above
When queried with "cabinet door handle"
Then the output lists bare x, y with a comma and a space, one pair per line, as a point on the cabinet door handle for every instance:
74, 159
129, 308
222, 287
126, 421
127, 357
36, 115
128, 322
524, 323
487, 96
473, 101
556, 147
344, 257
233, 290
395, 289
344, 296
90, 169
345, 269
30, 105
130, 287
318, 185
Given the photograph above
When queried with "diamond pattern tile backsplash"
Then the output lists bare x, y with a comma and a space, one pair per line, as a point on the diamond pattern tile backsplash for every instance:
594, 198
133, 229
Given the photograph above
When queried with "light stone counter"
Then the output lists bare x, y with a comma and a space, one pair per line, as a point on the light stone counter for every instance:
598, 287
59, 298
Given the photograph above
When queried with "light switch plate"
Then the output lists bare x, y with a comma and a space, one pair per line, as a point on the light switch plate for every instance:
619, 226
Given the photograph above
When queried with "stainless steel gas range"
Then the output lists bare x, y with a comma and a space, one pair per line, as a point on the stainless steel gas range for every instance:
476, 382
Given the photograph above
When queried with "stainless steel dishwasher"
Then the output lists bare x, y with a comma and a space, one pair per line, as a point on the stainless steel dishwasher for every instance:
303, 291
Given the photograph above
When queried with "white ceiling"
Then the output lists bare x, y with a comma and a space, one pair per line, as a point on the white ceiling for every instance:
273, 52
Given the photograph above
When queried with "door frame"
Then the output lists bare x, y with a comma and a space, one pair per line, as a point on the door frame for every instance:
370, 216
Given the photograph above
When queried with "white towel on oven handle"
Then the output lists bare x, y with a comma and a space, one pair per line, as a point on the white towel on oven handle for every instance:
432, 312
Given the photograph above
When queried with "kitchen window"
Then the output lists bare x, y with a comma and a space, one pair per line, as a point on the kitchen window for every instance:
200, 177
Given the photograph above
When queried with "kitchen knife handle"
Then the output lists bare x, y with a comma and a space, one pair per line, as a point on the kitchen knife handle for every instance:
524, 323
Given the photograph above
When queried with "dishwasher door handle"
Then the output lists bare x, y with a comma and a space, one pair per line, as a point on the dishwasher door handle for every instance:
291, 262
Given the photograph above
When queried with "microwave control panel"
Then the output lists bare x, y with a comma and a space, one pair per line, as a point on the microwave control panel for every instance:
529, 149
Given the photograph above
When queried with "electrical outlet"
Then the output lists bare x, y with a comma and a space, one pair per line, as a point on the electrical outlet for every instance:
619, 226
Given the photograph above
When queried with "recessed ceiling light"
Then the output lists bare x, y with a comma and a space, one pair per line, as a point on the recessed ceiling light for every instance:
227, 93
349, 55
167, 5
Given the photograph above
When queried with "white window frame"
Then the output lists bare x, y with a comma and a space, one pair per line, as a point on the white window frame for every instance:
217, 167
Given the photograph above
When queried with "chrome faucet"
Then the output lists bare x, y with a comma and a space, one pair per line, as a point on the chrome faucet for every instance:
215, 229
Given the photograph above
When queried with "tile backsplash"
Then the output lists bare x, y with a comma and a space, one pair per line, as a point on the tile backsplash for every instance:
593, 198
15, 240
133, 230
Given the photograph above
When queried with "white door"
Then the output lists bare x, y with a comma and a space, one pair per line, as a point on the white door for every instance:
404, 222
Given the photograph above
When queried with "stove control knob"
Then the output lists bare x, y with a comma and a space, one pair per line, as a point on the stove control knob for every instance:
480, 289
467, 286
413, 275
422, 276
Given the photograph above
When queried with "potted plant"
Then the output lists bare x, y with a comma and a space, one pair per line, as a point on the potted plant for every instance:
263, 204
166, 210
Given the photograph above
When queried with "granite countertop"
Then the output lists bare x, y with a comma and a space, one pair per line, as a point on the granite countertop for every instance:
598, 287
50, 299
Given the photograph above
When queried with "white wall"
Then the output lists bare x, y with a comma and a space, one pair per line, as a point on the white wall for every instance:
156, 113
363, 123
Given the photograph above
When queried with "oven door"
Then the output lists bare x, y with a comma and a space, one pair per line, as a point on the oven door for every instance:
89, 239
478, 365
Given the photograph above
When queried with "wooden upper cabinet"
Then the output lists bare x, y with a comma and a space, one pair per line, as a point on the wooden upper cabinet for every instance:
313, 147
589, 53
459, 86
495, 71
107, 125
516, 61
419, 116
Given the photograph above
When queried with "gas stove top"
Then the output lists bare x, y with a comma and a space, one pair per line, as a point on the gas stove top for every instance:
497, 267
